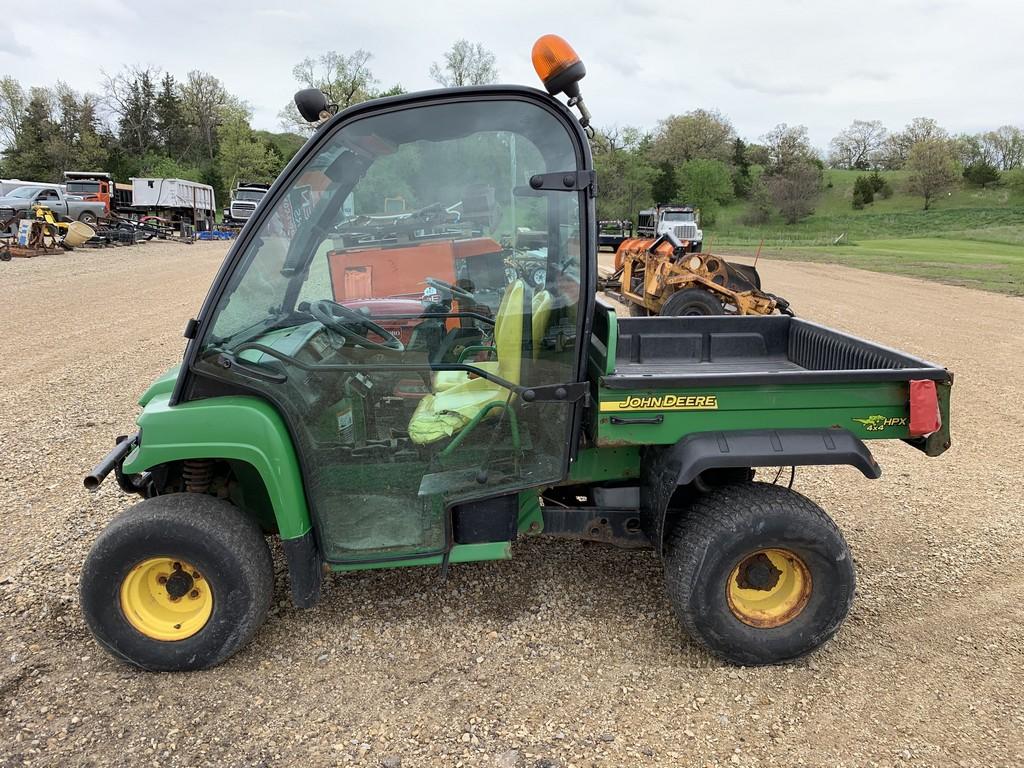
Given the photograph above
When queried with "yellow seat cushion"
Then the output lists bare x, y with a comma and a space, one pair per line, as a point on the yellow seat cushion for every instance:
447, 411
443, 414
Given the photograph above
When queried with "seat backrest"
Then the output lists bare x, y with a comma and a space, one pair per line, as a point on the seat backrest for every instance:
502, 308
508, 331
543, 302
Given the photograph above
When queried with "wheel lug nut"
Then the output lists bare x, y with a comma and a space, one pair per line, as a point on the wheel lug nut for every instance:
194, 594
195, 575
161, 579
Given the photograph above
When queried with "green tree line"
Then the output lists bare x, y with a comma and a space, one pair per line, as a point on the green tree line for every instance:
144, 122
697, 157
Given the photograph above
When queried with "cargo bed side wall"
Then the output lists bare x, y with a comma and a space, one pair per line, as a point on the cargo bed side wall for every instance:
663, 416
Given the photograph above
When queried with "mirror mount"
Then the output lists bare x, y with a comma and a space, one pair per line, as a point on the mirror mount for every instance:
314, 105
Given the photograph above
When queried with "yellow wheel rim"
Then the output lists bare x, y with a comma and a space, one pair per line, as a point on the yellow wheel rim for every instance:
166, 599
768, 588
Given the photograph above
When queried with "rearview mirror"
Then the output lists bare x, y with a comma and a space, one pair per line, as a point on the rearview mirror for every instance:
312, 104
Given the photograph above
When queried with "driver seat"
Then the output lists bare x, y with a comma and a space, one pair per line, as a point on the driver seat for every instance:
540, 314
447, 379
447, 411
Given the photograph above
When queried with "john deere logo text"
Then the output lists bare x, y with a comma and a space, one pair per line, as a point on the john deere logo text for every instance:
664, 403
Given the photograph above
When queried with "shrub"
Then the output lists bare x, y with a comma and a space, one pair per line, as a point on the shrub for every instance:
1014, 180
981, 173
795, 191
863, 191
760, 209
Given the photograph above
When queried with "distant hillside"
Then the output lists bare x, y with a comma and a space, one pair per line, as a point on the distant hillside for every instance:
961, 214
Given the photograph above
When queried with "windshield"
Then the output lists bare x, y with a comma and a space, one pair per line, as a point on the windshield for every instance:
677, 217
371, 208
252, 195
24, 192
83, 187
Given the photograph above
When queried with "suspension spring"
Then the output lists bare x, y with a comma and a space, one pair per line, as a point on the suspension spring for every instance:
197, 474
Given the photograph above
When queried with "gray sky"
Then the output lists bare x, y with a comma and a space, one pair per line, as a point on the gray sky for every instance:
818, 63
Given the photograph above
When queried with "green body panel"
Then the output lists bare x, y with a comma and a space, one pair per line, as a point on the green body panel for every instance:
599, 465
460, 553
531, 516
869, 411
161, 386
244, 429
603, 342
250, 434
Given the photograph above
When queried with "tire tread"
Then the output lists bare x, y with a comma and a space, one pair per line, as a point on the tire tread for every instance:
733, 506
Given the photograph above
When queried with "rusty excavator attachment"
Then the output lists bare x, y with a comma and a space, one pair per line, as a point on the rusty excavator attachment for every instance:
659, 277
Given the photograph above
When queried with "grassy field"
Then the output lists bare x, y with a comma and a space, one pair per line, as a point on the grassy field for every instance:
972, 237
991, 266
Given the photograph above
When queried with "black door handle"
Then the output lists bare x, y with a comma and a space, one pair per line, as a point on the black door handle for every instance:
649, 420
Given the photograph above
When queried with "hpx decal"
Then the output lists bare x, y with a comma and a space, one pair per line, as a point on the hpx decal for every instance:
878, 422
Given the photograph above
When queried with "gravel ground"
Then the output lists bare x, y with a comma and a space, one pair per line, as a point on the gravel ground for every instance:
567, 655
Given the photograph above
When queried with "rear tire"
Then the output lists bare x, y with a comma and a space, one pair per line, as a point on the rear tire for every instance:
721, 557
692, 301
88, 217
134, 587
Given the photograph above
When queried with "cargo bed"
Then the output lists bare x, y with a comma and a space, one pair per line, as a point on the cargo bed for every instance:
679, 351
658, 378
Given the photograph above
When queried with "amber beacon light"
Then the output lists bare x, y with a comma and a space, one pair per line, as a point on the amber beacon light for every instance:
560, 69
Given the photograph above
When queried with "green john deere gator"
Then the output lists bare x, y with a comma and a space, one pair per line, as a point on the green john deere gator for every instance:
378, 390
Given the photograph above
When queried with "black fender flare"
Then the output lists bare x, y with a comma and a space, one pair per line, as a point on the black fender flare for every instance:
305, 569
666, 467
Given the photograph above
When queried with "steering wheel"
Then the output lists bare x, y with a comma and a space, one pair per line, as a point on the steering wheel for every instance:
454, 290
340, 318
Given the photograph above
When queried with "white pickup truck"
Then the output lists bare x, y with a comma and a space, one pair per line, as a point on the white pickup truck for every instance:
23, 198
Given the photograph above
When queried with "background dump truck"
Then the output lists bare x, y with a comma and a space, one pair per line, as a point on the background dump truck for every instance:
682, 221
244, 199
501, 409
174, 202
611, 233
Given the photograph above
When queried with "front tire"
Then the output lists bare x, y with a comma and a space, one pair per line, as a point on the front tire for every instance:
758, 574
88, 217
177, 582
